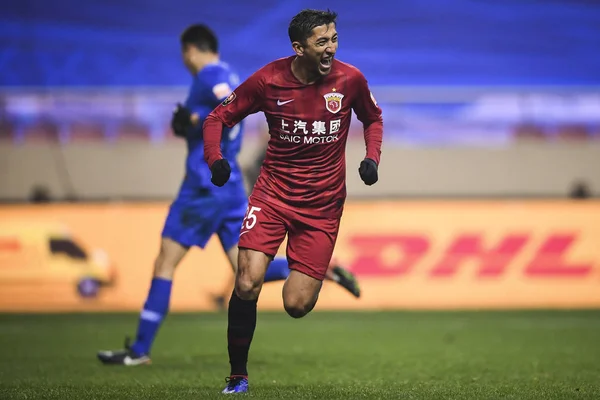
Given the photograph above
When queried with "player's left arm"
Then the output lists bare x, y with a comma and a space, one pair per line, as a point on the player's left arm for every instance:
369, 113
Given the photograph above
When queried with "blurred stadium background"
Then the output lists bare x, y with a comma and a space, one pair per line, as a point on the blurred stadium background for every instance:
487, 199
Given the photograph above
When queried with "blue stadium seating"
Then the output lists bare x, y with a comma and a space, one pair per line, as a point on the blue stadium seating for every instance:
406, 42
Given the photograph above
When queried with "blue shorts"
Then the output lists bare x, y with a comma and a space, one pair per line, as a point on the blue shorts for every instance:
197, 214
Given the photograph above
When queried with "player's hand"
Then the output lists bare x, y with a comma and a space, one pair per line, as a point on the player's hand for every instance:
368, 171
220, 171
181, 121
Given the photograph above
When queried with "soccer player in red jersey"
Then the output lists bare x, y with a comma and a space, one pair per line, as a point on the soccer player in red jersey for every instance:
308, 100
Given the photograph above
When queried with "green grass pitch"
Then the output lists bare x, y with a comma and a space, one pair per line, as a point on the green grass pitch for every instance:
387, 355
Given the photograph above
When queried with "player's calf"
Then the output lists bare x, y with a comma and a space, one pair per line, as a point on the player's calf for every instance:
163, 269
168, 258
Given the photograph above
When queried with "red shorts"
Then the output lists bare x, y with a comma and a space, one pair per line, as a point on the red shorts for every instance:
311, 239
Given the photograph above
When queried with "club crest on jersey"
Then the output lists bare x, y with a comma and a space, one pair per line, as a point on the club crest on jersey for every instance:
229, 99
333, 102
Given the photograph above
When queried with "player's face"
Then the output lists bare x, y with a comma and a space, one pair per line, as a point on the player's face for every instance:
321, 47
189, 54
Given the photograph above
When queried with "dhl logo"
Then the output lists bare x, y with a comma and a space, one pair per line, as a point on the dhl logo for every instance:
9, 244
404, 254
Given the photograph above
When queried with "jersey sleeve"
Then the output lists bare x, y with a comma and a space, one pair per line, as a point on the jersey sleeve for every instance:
209, 90
369, 113
246, 99
217, 81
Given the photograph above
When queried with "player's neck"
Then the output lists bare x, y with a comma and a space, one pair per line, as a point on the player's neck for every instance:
206, 60
302, 74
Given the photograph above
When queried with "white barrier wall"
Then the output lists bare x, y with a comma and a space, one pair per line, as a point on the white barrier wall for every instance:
143, 170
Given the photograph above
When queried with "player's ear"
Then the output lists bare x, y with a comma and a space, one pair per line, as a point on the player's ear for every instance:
298, 48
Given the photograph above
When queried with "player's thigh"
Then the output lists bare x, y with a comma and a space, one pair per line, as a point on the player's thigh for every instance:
311, 241
263, 228
262, 232
229, 229
300, 293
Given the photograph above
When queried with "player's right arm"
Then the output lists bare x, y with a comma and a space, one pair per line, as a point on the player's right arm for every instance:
246, 99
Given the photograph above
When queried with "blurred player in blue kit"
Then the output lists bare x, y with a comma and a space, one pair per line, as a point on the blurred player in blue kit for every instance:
201, 209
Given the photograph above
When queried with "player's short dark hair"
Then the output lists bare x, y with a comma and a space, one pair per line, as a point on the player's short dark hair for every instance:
306, 20
201, 37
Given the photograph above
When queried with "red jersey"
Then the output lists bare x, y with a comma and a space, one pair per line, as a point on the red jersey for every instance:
305, 163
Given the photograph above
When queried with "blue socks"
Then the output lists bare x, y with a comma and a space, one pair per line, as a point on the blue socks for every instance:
278, 270
155, 310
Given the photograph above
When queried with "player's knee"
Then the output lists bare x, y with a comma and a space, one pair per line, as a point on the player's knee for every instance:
170, 254
246, 288
297, 307
250, 273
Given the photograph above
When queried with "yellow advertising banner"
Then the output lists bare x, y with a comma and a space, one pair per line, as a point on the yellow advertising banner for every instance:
407, 255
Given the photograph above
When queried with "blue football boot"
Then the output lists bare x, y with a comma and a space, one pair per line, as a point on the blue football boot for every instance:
236, 384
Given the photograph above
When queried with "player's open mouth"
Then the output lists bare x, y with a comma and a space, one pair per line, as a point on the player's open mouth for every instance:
326, 62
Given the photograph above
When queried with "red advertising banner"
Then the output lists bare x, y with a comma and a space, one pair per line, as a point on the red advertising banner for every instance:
407, 255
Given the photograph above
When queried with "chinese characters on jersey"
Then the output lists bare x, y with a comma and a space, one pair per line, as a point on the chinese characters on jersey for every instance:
317, 132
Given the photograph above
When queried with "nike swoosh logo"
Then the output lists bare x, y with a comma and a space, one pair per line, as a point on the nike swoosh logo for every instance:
280, 103
243, 233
